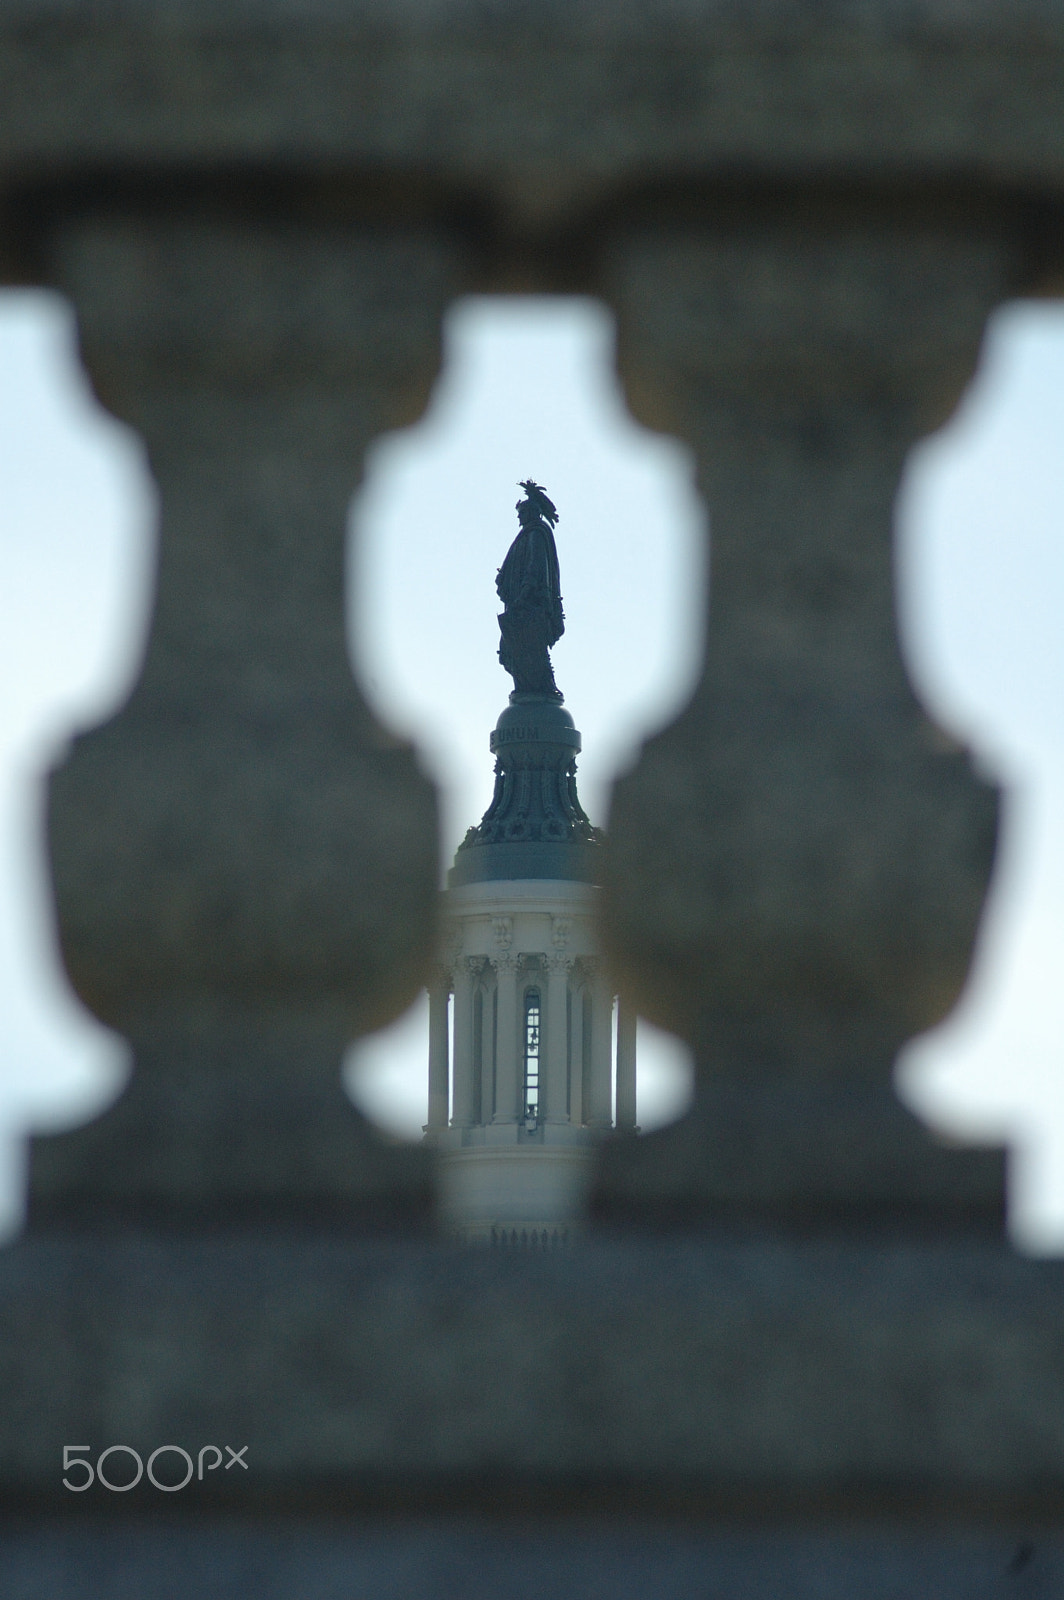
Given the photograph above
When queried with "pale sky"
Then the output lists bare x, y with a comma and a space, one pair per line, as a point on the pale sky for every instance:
527, 391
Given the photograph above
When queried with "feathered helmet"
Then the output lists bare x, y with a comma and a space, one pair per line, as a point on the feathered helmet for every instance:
536, 496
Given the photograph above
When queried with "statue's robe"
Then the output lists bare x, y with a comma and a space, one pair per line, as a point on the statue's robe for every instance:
529, 586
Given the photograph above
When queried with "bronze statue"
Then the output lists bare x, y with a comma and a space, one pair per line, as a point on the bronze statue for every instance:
530, 589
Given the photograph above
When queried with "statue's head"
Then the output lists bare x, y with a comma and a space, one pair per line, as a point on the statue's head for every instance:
536, 506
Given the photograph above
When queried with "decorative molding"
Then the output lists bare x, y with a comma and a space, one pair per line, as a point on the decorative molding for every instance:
559, 931
502, 930
467, 966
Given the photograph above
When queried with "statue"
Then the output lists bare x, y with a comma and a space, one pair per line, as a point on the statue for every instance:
535, 826
529, 587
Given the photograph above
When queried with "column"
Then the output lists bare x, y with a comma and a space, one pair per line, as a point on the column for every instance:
466, 976
555, 1078
245, 862
439, 1050
625, 1120
576, 1046
600, 1100
798, 864
486, 1109
507, 1057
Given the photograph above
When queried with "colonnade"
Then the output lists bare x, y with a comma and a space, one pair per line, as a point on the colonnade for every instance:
476, 1012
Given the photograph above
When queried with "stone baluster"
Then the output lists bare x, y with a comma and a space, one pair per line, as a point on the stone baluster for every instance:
799, 862
625, 1119
559, 965
439, 1049
244, 859
600, 1098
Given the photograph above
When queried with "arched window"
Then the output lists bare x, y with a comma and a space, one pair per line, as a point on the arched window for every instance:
531, 1053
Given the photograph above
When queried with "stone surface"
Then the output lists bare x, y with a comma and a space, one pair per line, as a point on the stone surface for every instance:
515, 1196
582, 1558
737, 1376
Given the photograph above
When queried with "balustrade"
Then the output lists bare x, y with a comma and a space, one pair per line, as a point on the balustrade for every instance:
802, 222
